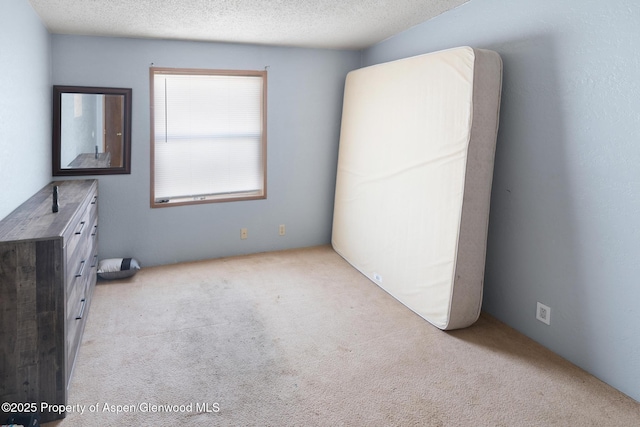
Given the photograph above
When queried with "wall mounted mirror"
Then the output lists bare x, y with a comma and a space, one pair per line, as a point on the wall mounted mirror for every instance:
91, 130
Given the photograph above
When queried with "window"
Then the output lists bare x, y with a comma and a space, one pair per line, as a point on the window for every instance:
208, 136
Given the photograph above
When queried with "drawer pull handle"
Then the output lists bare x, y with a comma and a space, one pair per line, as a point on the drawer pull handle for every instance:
94, 200
84, 303
82, 263
95, 230
81, 228
95, 261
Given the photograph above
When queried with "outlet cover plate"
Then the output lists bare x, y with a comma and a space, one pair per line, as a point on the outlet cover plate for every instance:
543, 313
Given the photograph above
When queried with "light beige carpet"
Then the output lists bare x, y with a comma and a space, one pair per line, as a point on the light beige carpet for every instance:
300, 338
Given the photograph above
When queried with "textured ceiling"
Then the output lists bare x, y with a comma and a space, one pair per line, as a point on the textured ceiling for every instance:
335, 24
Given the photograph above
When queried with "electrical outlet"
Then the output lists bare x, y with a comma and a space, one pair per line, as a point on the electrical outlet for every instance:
543, 313
281, 230
243, 233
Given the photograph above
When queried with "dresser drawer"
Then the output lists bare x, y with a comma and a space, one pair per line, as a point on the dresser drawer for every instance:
78, 269
75, 289
83, 224
75, 326
75, 314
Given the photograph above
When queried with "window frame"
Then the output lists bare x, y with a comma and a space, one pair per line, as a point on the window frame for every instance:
263, 142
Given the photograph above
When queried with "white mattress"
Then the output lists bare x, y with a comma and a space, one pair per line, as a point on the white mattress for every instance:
414, 179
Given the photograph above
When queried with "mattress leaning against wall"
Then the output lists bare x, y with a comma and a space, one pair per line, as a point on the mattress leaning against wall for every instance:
414, 177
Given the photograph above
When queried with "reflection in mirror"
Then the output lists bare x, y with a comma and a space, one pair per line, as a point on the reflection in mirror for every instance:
91, 130
86, 141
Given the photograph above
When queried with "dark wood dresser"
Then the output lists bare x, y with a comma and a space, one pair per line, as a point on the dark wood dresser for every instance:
48, 264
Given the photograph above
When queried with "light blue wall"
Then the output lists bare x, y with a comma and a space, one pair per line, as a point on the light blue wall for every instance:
25, 104
565, 214
304, 108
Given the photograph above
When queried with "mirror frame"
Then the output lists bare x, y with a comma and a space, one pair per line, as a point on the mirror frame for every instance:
57, 170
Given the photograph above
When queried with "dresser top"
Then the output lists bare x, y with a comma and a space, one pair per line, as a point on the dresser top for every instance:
34, 219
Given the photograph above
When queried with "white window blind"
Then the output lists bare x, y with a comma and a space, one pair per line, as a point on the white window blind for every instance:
208, 136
